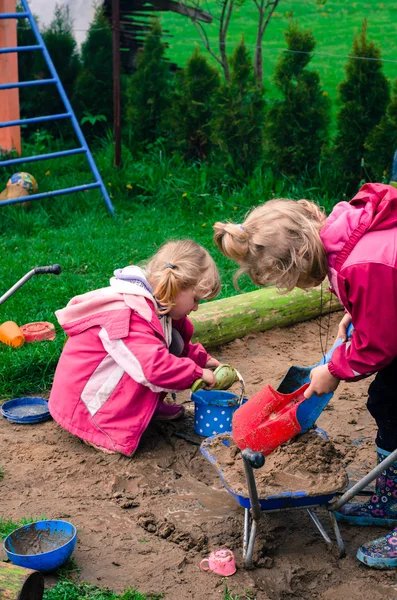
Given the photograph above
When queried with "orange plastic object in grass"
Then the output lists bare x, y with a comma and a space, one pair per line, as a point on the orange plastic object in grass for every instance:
11, 334
36, 332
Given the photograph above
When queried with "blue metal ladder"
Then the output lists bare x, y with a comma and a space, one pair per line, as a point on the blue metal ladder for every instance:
69, 114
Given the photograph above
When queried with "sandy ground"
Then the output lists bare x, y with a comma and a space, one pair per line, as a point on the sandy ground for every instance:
147, 522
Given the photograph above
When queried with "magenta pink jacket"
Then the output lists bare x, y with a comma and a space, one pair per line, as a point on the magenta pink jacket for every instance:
116, 365
360, 238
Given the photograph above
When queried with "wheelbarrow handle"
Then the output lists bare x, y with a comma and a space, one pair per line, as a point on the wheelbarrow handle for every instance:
52, 269
327, 357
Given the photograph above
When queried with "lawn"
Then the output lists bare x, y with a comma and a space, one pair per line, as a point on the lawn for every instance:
333, 22
156, 199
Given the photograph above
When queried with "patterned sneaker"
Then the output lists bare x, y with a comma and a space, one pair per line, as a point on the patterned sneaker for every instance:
380, 553
168, 412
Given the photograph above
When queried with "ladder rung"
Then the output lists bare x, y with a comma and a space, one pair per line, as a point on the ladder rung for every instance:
70, 190
19, 84
26, 159
15, 15
34, 120
19, 49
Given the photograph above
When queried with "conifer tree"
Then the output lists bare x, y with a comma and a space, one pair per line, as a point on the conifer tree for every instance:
238, 126
193, 106
93, 98
364, 95
62, 47
381, 143
149, 91
297, 124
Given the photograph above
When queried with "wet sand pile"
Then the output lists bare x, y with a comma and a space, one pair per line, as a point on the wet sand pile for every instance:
308, 463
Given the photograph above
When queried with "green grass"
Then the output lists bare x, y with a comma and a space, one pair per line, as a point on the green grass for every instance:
156, 199
333, 22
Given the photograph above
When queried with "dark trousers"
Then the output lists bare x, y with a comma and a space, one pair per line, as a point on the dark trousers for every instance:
382, 404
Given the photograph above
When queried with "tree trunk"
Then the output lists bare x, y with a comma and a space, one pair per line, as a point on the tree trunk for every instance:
17, 583
224, 320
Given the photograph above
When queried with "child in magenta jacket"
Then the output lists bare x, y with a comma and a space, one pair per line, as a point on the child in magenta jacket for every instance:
292, 243
129, 345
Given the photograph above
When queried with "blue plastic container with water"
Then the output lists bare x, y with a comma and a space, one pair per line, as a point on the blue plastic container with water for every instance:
213, 411
41, 546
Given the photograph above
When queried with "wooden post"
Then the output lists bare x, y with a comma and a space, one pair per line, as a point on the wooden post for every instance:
222, 321
116, 82
17, 583
10, 137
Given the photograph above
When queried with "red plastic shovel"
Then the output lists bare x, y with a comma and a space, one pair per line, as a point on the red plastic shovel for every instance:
272, 417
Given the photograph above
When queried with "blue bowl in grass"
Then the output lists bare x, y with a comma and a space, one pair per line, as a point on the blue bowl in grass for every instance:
41, 546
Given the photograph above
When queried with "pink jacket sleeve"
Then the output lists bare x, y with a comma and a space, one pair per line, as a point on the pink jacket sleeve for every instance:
370, 291
147, 360
195, 352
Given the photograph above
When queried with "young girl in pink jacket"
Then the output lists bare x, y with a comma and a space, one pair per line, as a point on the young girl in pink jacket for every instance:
291, 243
129, 345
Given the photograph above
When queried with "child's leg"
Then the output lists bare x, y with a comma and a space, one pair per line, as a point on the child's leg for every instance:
167, 412
381, 509
382, 404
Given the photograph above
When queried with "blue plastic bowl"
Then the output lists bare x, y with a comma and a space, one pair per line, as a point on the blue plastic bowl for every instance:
41, 546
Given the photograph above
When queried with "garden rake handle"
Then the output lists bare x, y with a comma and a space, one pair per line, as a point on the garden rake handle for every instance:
54, 269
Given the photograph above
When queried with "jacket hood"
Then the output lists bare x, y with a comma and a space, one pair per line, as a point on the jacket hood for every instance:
109, 307
373, 208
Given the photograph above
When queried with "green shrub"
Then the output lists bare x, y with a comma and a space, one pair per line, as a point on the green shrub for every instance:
297, 125
93, 97
381, 143
62, 47
238, 126
364, 95
149, 91
193, 106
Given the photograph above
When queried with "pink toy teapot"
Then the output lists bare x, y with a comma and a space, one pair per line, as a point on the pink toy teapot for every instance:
221, 562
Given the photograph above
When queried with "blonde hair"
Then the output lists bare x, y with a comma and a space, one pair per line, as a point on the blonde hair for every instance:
181, 265
278, 244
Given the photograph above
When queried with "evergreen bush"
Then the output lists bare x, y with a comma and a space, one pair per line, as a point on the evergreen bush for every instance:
364, 95
193, 107
238, 125
62, 47
149, 92
297, 125
93, 97
381, 143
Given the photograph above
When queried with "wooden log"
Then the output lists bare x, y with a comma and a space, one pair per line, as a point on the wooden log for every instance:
222, 321
17, 583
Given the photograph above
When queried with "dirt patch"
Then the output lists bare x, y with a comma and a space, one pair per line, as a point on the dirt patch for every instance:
308, 464
146, 522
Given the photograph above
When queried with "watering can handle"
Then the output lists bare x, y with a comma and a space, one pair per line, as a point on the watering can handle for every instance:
327, 357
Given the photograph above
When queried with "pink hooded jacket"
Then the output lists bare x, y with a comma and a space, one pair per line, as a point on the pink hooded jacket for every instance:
116, 365
360, 238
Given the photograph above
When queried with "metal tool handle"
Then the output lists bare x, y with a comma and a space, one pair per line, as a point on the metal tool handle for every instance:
55, 269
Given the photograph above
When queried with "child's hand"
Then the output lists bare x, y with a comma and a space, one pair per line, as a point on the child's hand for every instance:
212, 363
209, 378
321, 382
342, 329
